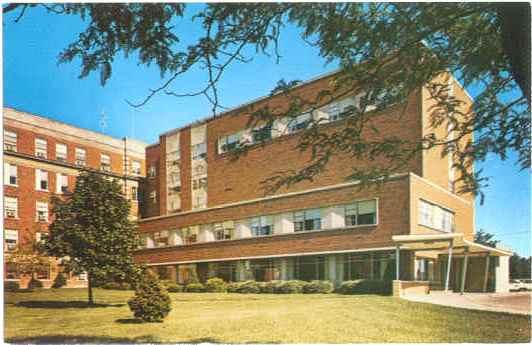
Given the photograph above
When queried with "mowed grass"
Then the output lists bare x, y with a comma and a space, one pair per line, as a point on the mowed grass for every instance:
61, 316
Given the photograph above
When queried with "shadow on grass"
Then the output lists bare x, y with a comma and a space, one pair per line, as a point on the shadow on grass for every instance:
64, 304
128, 321
83, 339
79, 339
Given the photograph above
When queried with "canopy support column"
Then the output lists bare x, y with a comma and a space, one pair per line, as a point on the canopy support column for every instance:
449, 262
397, 263
486, 273
464, 271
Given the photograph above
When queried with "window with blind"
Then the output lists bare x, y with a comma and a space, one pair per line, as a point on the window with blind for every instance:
41, 180
10, 239
81, 156
42, 211
224, 231
307, 220
10, 141
10, 207
105, 162
41, 148
435, 217
61, 152
10, 174
361, 213
262, 226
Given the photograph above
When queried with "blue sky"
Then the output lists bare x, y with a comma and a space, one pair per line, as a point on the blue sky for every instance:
34, 82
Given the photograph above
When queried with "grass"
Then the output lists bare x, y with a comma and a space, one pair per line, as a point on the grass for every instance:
62, 316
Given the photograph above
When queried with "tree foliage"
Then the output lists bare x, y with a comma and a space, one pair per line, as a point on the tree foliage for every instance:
485, 238
91, 231
387, 51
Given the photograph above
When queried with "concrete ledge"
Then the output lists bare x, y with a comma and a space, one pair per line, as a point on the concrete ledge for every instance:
401, 287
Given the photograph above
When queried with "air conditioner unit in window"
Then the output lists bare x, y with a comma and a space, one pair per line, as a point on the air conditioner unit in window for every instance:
41, 217
60, 159
10, 147
11, 214
41, 154
105, 168
64, 189
80, 162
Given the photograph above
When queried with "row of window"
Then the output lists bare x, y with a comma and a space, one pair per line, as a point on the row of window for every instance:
41, 179
286, 125
359, 213
11, 239
61, 153
11, 209
435, 217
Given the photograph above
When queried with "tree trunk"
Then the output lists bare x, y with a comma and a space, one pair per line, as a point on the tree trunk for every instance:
89, 285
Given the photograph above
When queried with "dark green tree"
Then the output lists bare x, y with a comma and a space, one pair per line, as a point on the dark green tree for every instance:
387, 51
92, 232
520, 267
485, 238
151, 302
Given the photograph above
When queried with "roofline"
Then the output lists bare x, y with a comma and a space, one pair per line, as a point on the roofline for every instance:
71, 125
256, 100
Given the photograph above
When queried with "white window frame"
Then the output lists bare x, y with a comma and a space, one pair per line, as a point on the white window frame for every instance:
11, 239
224, 231
199, 151
300, 122
135, 193
153, 196
61, 180
39, 174
41, 148
136, 167
10, 171
105, 162
257, 226
435, 217
80, 156
356, 207
41, 206
303, 216
61, 152
152, 171
10, 207
10, 141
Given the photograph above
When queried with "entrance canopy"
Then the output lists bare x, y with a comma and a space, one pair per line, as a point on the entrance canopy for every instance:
440, 242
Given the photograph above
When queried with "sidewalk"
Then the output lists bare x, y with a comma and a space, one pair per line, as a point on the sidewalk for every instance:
514, 302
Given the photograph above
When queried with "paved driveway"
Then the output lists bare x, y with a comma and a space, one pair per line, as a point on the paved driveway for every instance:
511, 302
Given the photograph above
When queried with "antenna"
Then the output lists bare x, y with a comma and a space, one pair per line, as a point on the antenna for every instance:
103, 122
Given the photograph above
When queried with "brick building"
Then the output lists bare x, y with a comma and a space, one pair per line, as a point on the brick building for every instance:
42, 158
206, 214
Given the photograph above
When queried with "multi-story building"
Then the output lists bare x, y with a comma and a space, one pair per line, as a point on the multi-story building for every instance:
206, 214
42, 158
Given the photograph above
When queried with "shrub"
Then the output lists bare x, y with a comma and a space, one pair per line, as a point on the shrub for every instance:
233, 287
366, 286
172, 286
195, 287
268, 287
290, 286
34, 284
248, 286
215, 285
151, 302
11, 286
318, 286
59, 281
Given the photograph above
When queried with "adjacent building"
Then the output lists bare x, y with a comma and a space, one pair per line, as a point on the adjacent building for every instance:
42, 158
206, 214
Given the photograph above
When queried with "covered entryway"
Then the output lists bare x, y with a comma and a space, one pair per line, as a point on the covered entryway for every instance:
449, 262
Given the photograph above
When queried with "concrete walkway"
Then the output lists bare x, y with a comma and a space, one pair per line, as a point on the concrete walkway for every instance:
511, 302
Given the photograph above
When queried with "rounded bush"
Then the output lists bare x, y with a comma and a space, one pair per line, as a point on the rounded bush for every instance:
172, 286
248, 286
151, 302
11, 286
215, 285
366, 286
290, 286
195, 287
34, 284
59, 281
318, 286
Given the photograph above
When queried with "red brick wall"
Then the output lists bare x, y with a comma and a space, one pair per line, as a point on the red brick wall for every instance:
149, 208
186, 174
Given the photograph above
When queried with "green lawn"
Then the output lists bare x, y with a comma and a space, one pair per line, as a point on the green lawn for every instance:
61, 316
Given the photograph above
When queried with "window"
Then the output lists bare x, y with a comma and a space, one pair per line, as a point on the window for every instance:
229, 142
42, 211
333, 110
190, 234
41, 237
199, 183
299, 122
135, 168
10, 174
134, 193
152, 171
40, 148
11, 239
61, 152
10, 207
41, 180
307, 220
81, 157
61, 183
153, 196
262, 133
161, 238
435, 217
105, 162
199, 151
10, 141
224, 231
262, 226
361, 213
